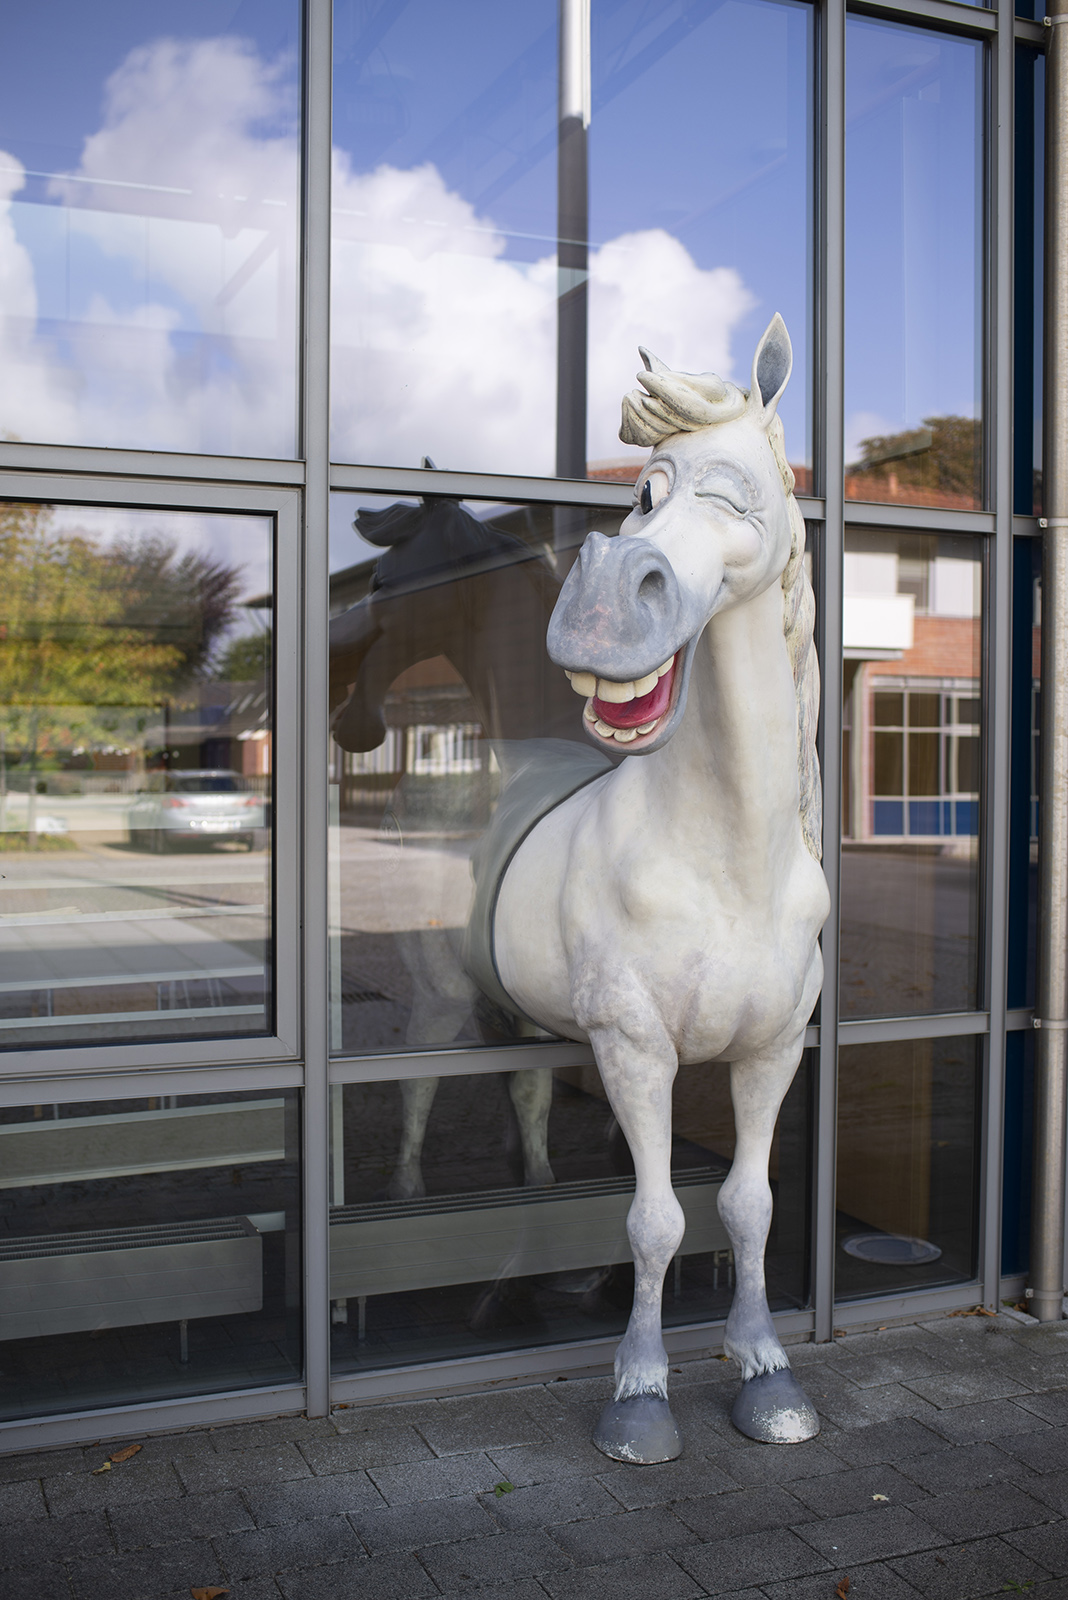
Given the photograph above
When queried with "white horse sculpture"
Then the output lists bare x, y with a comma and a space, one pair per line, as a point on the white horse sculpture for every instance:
669, 911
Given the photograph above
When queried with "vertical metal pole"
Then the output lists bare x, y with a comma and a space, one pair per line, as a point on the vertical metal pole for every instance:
1051, 1019
830, 344
572, 231
998, 413
315, 951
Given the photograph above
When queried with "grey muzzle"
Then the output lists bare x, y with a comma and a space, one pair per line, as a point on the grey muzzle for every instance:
621, 612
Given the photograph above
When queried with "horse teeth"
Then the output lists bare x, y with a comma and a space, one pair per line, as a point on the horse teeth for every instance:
590, 714
583, 683
665, 668
647, 727
614, 693
643, 685
602, 728
624, 735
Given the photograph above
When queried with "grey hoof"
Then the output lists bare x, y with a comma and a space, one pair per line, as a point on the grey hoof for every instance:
775, 1409
640, 1429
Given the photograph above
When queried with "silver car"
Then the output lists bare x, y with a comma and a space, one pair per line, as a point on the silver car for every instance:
210, 804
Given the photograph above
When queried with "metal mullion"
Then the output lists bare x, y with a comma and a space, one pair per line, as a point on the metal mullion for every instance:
147, 1417
148, 464
76, 1089
924, 519
946, 15
314, 966
998, 642
886, 1030
830, 445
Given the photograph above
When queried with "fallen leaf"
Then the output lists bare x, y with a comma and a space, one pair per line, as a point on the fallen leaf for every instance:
124, 1455
207, 1594
880, 1497
504, 1487
843, 1588
105, 1468
838, 1333
972, 1311
941, 1563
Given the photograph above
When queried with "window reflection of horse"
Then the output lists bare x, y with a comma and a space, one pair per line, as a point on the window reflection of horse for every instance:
449, 585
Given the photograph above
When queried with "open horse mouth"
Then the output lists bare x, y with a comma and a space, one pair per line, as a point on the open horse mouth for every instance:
625, 713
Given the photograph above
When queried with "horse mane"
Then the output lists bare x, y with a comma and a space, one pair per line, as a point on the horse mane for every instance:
684, 402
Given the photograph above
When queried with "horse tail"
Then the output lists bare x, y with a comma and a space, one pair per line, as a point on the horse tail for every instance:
799, 621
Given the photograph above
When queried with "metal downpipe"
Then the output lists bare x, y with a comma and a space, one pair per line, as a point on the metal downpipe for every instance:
1051, 1016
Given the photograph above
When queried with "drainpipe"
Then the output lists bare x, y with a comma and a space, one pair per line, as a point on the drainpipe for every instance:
1051, 1017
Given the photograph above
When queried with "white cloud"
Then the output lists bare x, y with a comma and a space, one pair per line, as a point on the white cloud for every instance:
182, 218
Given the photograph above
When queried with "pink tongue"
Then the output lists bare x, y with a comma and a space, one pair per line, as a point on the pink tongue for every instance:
646, 708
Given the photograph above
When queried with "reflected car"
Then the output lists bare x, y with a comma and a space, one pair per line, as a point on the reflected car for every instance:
208, 805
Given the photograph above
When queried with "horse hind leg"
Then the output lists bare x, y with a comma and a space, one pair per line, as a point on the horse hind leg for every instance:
771, 1405
417, 1098
637, 1424
531, 1094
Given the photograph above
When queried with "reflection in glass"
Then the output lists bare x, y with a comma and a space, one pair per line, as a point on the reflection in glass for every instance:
135, 774
1028, 265
911, 771
441, 688
914, 218
149, 1249
461, 1245
907, 1171
149, 196
463, 201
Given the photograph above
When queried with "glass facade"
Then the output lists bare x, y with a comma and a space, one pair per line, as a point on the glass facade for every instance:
316, 327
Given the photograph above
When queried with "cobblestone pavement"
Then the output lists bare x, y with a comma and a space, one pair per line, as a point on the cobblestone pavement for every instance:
941, 1470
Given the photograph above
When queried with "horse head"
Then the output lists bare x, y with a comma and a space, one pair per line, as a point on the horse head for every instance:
714, 524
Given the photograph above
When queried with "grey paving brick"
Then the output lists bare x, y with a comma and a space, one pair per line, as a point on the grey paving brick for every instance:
395, 1577
986, 1566
37, 1583
894, 1440
605, 1539
233, 1469
873, 1581
168, 1447
753, 1510
969, 1466
964, 1388
837, 1493
994, 1508
41, 1464
1044, 1450
1046, 1545
544, 1463
902, 1364
986, 1420
672, 1480
480, 1422
873, 1535
384, 1447
1051, 1488
477, 1563
1052, 1408
759, 1464
84, 1533
1051, 1589
728, 1565
431, 1480
373, 1419
23, 1500
414, 1526
306, 1499
520, 1589
145, 1575
544, 1503
847, 1405
194, 1516
641, 1579
85, 1491
294, 1544
273, 1431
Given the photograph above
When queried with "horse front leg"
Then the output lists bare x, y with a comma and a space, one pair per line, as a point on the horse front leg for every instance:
531, 1094
771, 1405
637, 1424
417, 1098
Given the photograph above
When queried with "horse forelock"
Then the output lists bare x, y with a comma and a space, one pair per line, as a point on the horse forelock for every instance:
682, 402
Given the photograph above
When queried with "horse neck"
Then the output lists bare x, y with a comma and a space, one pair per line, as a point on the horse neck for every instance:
728, 779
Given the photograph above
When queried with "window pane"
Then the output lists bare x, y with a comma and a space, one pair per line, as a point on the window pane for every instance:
459, 1249
914, 217
907, 1168
448, 278
135, 774
911, 813
150, 155
150, 1249
1028, 266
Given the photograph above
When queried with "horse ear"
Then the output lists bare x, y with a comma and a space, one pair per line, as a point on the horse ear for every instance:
772, 365
653, 363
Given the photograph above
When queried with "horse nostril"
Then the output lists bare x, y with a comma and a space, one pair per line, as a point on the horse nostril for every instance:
651, 587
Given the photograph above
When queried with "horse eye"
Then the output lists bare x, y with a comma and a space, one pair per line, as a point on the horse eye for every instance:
655, 488
646, 501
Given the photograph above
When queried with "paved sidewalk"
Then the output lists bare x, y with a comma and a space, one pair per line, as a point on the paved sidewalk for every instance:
942, 1470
